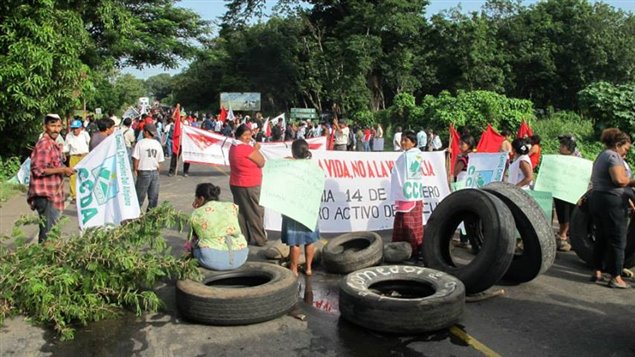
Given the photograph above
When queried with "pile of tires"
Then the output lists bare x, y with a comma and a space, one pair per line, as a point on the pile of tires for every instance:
491, 216
256, 292
582, 234
401, 299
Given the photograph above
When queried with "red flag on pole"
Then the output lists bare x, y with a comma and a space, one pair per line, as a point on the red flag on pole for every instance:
524, 130
454, 147
176, 136
267, 128
490, 140
223, 114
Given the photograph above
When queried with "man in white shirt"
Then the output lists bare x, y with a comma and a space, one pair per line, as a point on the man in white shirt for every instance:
422, 139
341, 135
128, 136
396, 141
76, 145
147, 155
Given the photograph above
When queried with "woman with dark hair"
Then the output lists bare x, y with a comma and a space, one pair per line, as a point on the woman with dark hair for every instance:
536, 150
245, 178
466, 145
564, 208
293, 233
217, 242
520, 171
609, 207
408, 224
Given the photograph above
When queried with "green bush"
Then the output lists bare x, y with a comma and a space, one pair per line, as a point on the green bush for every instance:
612, 105
474, 110
91, 277
9, 167
404, 111
567, 123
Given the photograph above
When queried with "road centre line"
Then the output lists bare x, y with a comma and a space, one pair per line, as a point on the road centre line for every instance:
476, 344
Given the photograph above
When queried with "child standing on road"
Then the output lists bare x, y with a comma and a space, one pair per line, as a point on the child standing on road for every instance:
293, 233
147, 155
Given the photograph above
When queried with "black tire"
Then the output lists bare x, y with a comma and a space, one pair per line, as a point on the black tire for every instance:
539, 245
271, 292
582, 235
430, 300
495, 223
352, 251
397, 252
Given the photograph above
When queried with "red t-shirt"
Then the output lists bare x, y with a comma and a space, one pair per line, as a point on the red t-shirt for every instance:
535, 158
244, 172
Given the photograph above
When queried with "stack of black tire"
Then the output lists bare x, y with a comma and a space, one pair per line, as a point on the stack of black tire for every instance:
492, 215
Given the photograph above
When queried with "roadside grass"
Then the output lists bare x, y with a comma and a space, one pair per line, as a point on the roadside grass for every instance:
7, 190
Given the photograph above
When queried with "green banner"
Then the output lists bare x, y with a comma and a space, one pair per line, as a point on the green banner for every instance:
544, 200
566, 177
293, 188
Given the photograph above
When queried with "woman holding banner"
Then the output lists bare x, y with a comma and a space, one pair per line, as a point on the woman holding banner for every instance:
408, 224
293, 233
245, 163
217, 242
609, 207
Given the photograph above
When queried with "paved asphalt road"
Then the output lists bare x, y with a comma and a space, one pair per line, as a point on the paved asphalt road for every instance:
560, 313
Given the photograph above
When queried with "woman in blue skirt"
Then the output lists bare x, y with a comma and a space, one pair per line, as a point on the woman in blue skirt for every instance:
294, 234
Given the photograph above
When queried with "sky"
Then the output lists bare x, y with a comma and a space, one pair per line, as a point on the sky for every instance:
212, 10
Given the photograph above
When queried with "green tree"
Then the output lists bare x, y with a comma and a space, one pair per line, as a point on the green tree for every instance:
160, 86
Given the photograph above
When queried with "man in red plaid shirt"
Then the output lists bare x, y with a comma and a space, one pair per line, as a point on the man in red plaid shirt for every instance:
46, 187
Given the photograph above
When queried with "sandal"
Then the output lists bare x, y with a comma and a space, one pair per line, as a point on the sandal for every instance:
627, 273
614, 284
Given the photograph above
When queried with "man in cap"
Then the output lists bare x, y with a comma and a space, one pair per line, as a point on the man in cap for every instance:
77, 146
147, 156
46, 187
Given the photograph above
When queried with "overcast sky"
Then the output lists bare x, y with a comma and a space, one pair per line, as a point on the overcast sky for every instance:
214, 9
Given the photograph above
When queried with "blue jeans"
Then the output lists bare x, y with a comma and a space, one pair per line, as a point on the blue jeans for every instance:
148, 183
49, 215
366, 145
168, 147
216, 259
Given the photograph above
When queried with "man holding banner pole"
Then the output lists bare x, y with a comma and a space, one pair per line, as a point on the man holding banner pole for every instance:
176, 144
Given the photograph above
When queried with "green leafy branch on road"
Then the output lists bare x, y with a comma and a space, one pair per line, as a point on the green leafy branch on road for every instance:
92, 276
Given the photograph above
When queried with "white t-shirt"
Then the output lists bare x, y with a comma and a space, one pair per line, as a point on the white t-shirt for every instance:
77, 145
149, 153
515, 174
341, 136
396, 142
128, 136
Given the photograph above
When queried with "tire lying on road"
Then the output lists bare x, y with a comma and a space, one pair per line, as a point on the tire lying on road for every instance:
539, 245
401, 299
352, 251
495, 226
397, 252
582, 234
255, 292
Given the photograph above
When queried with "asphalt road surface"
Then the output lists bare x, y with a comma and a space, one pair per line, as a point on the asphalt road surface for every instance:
560, 313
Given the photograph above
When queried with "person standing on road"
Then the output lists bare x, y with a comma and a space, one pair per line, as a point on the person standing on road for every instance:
217, 243
77, 142
46, 187
106, 127
609, 207
408, 224
147, 156
520, 172
245, 179
422, 139
341, 135
396, 140
293, 233
564, 208
128, 136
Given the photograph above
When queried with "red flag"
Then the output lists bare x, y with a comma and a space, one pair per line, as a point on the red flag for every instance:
267, 128
524, 130
454, 147
223, 114
490, 140
176, 136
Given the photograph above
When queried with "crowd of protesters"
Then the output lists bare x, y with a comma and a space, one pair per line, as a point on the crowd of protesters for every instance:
54, 157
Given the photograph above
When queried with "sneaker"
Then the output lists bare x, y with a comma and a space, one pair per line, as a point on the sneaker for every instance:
170, 174
185, 175
563, 245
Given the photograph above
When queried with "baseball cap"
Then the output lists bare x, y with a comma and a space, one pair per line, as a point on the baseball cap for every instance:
151, 128
75, 124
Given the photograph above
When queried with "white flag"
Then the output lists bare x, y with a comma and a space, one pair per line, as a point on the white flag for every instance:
275, 120
105, 186
230, 114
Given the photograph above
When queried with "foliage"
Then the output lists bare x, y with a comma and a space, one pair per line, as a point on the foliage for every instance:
474, 110
159, 86
54, 54
364, 118
564, 122
612, 105
8, 189
9, 167
404, 111
86, 278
